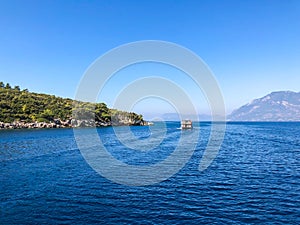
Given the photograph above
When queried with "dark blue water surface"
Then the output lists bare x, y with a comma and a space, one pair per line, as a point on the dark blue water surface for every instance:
254, 179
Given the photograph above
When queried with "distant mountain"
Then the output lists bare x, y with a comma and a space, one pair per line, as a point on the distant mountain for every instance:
277, 106
199, 117
176, 117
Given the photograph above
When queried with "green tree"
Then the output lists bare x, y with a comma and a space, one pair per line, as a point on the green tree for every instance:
7, 86
17, 88
47, 115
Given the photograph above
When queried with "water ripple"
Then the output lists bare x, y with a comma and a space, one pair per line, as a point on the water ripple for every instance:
254, 179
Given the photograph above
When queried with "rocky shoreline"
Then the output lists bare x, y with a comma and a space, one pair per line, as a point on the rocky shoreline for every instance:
70, 123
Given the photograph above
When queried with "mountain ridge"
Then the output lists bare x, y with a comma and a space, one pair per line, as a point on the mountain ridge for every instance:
276, 106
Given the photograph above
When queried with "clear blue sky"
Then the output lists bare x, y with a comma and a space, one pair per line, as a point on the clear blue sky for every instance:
252, 47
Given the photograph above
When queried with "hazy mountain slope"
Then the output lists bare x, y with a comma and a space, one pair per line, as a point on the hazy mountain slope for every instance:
277, 106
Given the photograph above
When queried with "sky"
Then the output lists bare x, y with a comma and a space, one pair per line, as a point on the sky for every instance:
252, 47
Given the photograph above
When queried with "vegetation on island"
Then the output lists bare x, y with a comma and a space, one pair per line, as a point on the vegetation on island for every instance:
22, 105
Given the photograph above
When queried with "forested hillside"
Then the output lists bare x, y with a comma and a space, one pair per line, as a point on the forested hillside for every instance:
25, 106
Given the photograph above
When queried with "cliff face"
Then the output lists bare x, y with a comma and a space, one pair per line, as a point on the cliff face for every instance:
277, 106
24, 109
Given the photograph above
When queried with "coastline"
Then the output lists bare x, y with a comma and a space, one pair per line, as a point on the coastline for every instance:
70, 123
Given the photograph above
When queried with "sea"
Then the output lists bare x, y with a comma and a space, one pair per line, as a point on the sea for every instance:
254, 179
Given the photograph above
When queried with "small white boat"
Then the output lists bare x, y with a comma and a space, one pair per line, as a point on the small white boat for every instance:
186, 124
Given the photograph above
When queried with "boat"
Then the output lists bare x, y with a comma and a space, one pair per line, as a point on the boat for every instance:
186, 124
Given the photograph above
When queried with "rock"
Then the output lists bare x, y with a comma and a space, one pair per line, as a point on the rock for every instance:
58, 123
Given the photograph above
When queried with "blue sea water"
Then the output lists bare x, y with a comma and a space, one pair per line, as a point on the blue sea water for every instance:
255, 178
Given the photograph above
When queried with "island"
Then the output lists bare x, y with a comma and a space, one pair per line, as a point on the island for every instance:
23, 109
